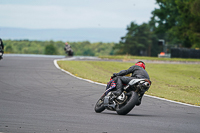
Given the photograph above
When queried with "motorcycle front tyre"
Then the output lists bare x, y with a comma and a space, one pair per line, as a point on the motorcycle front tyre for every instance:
99, 107
132, 101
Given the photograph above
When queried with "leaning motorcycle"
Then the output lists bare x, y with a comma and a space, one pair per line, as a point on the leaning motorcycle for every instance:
125, 102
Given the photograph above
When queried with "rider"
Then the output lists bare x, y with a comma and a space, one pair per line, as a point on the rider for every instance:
138, 72
2, 47
67, 46
68, 49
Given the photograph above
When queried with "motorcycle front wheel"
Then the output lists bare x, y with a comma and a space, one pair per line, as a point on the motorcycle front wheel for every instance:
99, 107
127, 106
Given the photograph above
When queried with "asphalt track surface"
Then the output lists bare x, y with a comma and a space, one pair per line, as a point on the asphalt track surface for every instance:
36, 97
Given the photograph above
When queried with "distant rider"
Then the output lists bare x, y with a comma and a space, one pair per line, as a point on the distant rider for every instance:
67, 46
68, 49
138, 72
1, 48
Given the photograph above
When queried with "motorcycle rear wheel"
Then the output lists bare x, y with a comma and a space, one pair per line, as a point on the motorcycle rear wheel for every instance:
129, 105
99, 107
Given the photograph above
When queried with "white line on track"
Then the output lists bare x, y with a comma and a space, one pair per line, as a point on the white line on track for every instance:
55, 63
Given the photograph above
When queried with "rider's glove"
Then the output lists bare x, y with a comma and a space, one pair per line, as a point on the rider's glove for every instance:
114, 75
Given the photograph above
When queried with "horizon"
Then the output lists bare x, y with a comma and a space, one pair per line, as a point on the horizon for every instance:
70, 35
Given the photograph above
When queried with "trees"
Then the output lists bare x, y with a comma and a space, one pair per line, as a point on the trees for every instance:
177, 21
9, 49
57, 47
92, 49
137, 41
189, 27
164, 19
195, 10
50, 49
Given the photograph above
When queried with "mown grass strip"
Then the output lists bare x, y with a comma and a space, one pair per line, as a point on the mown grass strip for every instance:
178, 82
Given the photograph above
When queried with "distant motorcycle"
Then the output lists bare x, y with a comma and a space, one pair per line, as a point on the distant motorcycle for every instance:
1, 53
69, 51
124, 103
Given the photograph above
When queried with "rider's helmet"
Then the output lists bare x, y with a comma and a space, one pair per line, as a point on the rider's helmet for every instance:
141, 64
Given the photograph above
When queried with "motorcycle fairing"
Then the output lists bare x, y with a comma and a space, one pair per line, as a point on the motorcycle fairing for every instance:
134, 81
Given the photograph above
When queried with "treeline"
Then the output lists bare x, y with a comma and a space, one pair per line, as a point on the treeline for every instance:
57, 47
176, 21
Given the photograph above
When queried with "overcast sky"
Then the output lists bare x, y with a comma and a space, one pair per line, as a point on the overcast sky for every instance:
64, 14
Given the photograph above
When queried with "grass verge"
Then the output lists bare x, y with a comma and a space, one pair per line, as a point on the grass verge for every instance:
178, 82
129, 57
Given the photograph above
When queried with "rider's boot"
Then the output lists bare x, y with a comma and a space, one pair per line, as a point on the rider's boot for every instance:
140, 99
118, 86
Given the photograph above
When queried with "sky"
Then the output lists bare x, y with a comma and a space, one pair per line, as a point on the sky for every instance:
69, 14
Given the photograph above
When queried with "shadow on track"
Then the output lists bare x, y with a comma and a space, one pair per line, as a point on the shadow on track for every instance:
136, 115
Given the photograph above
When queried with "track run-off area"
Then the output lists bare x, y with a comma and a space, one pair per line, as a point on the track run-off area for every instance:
38, 97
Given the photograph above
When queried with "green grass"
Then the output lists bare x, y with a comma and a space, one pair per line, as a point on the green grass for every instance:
178, 82
129, 57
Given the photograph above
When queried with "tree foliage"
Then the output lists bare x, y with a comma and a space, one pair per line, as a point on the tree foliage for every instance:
50, 49
57, 48
177, 21
139, 40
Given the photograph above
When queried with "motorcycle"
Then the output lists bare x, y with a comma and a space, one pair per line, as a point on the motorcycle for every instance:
125, 102
1, 53
69, 51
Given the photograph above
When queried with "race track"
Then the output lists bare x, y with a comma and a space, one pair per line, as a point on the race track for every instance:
36, 97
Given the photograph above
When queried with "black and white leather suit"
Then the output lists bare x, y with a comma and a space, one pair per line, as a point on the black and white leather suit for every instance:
136, 72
